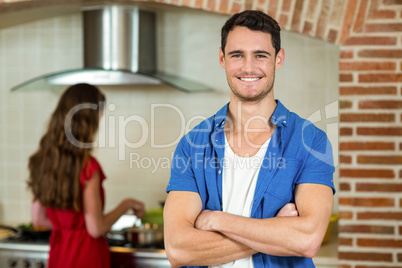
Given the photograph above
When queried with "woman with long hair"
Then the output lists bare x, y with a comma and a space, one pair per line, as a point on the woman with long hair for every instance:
66, 182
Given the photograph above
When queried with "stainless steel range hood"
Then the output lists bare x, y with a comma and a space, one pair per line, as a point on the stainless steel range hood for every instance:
119, 49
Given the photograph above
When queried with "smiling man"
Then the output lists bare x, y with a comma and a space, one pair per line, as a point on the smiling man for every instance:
238, 176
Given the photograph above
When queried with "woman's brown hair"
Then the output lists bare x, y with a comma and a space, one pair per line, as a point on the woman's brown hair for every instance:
56, 167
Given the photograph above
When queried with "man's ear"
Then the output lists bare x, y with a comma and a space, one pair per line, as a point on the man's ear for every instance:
221, 58
279, 59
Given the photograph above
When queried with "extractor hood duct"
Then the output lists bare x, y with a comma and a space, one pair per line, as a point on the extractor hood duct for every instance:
119, 49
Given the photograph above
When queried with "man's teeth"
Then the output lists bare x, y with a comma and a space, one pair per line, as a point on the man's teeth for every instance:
249, 79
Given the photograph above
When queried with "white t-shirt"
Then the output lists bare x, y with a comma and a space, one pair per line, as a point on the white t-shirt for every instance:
239, 179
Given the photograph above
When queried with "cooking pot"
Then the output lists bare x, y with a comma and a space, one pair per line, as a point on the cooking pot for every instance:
144, 232
145, 235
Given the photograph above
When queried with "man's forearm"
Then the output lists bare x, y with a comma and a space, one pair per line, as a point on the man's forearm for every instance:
197, 247
281, 236
186, 245
211, 248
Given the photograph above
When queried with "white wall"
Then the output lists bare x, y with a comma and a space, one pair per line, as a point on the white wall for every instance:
308, 84
189, 43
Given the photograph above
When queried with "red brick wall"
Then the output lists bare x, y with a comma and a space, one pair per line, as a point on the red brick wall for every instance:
369, 34
370, 142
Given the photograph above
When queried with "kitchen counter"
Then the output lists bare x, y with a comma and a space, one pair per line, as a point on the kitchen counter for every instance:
20, 253
134, 257
327, 256
42, 247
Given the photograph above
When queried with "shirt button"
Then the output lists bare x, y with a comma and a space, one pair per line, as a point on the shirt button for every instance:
220, 171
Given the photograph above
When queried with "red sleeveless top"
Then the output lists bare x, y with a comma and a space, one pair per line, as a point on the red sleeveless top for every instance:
70, 243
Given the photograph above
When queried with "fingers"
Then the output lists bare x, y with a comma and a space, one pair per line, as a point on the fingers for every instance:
294, 213
203, 221
292, 209
288, 210
139, 208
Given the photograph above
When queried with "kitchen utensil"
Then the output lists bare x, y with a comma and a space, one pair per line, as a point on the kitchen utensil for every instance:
145, 235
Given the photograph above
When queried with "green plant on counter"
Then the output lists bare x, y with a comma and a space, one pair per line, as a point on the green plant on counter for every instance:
26, 226
153, 216
29, 227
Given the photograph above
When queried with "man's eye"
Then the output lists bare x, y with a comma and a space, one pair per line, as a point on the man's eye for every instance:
236, 56
261, 56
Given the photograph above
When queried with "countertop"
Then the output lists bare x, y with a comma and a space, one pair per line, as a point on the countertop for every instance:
143, 252
326, 256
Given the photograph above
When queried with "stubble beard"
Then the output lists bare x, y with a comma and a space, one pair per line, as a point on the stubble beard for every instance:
254, 99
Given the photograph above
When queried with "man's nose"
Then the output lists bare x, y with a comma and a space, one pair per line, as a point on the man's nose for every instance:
249, 64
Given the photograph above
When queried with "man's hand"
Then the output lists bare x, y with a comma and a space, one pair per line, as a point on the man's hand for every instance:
288, 210
205, 220
285, 234
187, 245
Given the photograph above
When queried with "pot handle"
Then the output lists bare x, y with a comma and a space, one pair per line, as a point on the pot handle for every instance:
9, 228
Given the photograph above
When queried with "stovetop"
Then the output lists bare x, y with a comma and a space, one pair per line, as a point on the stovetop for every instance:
18, 252
23, 239
19, 241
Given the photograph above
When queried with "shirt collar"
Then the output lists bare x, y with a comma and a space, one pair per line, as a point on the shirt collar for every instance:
220, 117
280, 114
278, 118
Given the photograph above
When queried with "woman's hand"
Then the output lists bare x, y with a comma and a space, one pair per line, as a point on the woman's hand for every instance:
136, 206
96, 221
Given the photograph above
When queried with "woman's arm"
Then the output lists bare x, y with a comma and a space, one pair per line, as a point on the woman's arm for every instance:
39, 216
96, 222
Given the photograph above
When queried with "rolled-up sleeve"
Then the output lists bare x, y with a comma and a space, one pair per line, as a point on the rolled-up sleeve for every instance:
182, 176
319, 165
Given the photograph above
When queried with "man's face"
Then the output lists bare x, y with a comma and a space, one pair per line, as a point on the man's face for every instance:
250, 63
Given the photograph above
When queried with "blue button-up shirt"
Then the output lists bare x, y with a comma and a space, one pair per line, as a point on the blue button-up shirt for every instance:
298, 153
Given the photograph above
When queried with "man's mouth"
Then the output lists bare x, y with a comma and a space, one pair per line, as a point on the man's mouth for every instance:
249, 79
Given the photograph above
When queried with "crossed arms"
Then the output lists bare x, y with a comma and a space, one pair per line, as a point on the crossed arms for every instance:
194, 237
